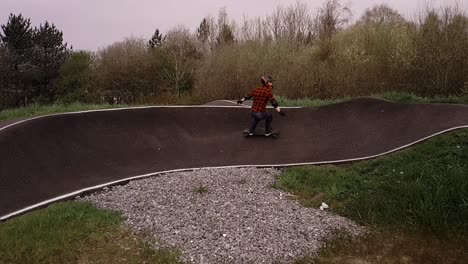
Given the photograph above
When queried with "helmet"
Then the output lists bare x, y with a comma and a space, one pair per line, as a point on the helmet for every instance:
266, 79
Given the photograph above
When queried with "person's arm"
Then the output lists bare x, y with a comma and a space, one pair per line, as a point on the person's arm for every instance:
247, 97
276, 105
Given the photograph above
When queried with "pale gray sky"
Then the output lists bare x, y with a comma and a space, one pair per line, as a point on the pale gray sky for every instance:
94, 24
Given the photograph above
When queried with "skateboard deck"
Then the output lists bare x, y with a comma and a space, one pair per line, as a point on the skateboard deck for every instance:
274, 134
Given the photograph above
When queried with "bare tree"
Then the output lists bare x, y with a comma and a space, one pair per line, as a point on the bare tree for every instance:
332, 17
442, 52
253, 29
275, 23
297, 22
122, 70
294, 23
381, 14
183, 52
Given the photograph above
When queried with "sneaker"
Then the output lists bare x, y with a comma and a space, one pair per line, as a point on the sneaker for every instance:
268, 134
251, 134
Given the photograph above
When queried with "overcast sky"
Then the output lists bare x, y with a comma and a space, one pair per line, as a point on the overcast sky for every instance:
94, 24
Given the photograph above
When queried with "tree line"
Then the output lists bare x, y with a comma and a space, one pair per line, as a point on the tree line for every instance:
311, 53
30, 60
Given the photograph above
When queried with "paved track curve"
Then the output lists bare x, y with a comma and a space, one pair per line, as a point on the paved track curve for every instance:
54, 156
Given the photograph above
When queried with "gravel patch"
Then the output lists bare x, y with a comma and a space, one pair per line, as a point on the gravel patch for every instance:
223, 216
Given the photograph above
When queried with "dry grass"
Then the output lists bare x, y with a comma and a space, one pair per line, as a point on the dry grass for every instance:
395, 247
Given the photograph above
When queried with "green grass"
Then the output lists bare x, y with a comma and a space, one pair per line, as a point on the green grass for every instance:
38, 110
201, 189
74, 232
307, 102
415, 202
411, 98
423, 188
394, 247
391, 96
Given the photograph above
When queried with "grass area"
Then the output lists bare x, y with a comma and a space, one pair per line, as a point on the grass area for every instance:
38, 110
201, 189
416, 199
411, 98
424, 188
282, 101
391, 96
395, 247
74, 232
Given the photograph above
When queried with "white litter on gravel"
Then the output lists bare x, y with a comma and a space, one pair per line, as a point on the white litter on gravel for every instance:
223, 216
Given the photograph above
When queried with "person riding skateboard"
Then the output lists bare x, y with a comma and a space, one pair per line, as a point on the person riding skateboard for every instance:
261, 95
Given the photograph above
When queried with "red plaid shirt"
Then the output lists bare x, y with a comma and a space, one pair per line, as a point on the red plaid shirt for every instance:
261, 95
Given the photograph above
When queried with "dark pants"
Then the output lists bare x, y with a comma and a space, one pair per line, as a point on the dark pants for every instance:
257, 117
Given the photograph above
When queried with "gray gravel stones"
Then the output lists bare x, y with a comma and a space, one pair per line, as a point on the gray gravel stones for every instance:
223, 216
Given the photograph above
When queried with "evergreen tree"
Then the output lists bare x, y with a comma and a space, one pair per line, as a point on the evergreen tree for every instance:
17, 36
17, 71
156, 40
7, 76
225, 35
49, 54
203, 32
49, 49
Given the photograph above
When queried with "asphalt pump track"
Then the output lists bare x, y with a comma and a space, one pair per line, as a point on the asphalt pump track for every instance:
56, 157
